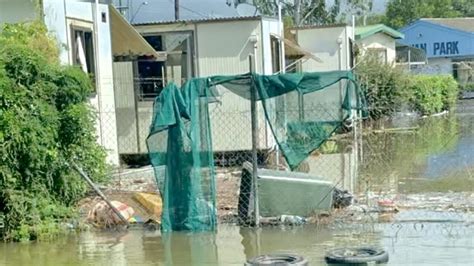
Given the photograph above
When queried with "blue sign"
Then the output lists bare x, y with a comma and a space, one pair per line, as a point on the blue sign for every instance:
441, 48
437, 40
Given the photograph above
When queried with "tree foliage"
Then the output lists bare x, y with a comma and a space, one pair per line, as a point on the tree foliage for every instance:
45, 122
316, 12
383, 86
400, 13
312, 12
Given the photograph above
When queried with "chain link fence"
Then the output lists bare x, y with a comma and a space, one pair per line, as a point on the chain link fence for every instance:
415, 177
402, 171
335, 161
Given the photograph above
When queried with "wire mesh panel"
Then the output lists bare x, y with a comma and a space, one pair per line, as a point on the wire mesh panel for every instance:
180, 151
184, 116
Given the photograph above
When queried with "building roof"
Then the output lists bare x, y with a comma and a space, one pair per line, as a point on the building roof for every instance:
202, 20
366, 31
463, 24
126, 41
308, 27
292, 49
143, 12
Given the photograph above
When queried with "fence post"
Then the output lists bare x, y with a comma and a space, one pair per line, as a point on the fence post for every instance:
136, 90
409, 59
253, 113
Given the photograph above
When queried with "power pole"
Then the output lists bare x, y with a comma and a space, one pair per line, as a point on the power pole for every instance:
297, 16
176, 9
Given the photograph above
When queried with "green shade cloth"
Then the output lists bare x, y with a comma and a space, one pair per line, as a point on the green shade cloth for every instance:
302, 109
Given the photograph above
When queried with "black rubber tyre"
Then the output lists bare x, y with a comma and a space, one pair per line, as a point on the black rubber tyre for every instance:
277, 259
356, 255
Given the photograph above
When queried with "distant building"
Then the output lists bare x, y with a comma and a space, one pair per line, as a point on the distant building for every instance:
448, 43
334, 46
379, 40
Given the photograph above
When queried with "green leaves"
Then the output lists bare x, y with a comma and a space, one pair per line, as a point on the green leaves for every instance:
432, 94
388, 89
400, 13
45, 121
383, 86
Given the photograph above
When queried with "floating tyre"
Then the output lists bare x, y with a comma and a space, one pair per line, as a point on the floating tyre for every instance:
277, 260
356, 256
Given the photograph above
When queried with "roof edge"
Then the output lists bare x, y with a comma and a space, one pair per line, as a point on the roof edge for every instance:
307, 27
206, 20
379, 28
426, 21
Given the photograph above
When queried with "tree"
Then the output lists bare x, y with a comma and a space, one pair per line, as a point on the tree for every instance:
317, 12
361, 9
465, 7
400, 13
311, 12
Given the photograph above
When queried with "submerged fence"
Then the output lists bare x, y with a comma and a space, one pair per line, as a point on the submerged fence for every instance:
311, 120
399, 169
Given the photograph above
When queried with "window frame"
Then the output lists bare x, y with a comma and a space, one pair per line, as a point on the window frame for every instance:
75, 25
161, 81
275, 50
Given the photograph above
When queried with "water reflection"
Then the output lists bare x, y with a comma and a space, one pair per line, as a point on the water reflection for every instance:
407, 242
441, 148
190, 249
300, 240
451, 162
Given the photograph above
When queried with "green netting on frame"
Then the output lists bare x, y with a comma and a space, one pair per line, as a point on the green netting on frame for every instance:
302, 109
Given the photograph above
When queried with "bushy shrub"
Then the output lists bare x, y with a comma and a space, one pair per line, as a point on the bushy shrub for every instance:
388, 89
382, 84
45, 122
432, 94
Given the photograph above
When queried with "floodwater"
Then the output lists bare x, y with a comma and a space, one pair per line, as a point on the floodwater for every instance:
434, 154
438, 158
428, 243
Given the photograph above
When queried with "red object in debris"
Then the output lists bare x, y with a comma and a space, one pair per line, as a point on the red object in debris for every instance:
386, 203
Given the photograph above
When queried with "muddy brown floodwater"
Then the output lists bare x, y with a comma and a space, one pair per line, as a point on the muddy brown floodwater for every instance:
428, 173
408, 243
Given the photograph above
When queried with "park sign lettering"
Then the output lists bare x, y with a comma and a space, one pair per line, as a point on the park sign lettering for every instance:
441, 48
445, 48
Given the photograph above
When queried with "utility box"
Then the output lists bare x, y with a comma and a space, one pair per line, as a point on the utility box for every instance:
285, 193
292, 195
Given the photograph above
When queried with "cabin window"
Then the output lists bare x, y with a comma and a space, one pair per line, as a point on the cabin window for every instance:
275, 49
153, 76
150, 81
84, 50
